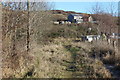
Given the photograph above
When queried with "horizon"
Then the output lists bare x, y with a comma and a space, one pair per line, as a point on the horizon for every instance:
83, 7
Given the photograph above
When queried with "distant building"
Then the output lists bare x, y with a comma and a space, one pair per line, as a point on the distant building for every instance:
75, 18
79, 18
90, 19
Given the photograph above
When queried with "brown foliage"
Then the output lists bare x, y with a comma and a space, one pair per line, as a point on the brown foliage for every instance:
14, 27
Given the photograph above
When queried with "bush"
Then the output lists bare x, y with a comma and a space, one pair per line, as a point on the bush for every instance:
103, 52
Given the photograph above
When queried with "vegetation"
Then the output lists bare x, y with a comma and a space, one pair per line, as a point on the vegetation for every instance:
54, 51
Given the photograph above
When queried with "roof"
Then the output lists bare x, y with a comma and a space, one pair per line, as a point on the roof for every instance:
76, 14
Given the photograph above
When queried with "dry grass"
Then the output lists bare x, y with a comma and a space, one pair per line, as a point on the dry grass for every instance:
104, 51
48, 61
56, 60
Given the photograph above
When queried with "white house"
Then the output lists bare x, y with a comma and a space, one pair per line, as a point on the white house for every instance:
79, 18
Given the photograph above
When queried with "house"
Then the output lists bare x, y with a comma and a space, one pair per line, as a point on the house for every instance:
75, 18
79, 18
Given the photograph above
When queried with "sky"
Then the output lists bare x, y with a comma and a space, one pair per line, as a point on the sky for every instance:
83, 7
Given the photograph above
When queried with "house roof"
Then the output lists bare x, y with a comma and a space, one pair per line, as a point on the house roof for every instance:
76, 14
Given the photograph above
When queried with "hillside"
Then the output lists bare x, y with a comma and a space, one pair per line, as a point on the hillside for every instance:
64, 58
66, 12
55, 51
62, 15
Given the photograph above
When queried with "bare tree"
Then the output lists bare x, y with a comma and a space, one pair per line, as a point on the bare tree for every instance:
112, 9
97, 9
106, 19
19, 19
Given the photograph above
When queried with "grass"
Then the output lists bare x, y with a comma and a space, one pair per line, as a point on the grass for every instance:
104, 52
65, 60
54, 52
56, 31
81, 63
